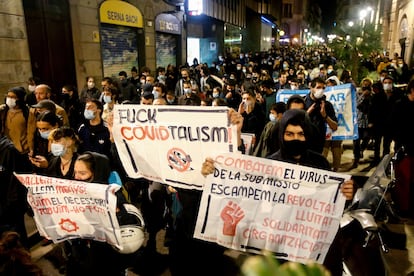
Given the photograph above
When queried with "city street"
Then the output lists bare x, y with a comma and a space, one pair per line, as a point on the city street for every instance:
398, 261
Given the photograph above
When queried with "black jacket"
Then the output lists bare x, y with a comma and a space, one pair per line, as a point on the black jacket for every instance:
12, 192
403, 127
318, 120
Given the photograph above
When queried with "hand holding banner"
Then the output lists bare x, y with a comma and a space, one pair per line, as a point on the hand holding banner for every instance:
168, 144
67, 209
254, 204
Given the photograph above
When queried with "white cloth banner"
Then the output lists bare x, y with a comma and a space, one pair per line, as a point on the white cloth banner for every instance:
67, 209
249, 139
254, 204
168, 144
343, 99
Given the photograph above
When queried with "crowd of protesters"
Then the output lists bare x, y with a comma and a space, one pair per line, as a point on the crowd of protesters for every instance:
249, 82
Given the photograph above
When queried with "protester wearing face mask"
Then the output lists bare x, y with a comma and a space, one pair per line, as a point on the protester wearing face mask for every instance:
321, 111
185, 77
189, 98
89, 91
72, 105
43, 94
171, 98
158, 90
217, 93
86, 257
110, 98
403, 72
13, 117
93, 132
330, 71
379, 117
294, 84
127, 90
46, 121
231, 95
266, 145
253, 116
30, 97
63, 148
294, 133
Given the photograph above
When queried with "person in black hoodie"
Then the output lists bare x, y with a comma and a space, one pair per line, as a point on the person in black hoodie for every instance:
294, 134
13, 203
89, 256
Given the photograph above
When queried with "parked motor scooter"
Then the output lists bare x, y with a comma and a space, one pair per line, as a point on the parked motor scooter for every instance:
372, 207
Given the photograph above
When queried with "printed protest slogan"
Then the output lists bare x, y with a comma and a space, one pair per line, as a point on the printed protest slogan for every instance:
66, 209
253, 204
343, 99
168, 144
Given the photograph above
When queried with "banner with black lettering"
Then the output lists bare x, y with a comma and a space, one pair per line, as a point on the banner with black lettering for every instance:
343, 99
168, 144
254, 204
67, 209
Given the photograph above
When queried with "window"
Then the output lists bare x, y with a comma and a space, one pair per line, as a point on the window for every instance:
287, 10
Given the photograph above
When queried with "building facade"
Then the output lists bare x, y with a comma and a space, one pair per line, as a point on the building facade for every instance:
398, 29
394, 18
64, 41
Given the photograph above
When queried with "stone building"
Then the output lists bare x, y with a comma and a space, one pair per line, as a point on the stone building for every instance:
64, 41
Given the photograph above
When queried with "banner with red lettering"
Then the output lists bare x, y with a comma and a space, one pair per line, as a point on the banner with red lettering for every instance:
67, 209
168, 144
253, 204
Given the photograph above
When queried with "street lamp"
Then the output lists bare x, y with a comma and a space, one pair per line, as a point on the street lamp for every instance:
363, 13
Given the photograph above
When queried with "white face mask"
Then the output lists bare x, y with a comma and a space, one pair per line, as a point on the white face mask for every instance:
187, 90
156, 94
272, 118
318, 93
89, 114
31, 88
10, 102
293, 87
387, 86
57, 149
45, 134
107, 99
247, 103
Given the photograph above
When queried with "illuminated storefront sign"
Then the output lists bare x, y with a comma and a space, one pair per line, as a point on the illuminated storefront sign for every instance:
167, 23
120, 13
195, 7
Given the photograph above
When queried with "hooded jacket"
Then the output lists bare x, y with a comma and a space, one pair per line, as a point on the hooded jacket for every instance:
12, 192
308, 158
101, 167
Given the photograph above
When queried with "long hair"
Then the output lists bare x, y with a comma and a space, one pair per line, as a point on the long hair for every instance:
15, 260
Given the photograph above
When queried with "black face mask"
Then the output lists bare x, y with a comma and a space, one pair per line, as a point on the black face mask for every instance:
295, 147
